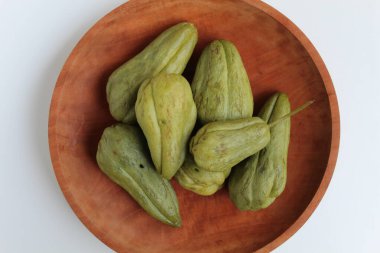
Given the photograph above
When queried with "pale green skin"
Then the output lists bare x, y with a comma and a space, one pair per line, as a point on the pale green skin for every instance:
256, 183
122, 157
168, 53
198, 180
220, 145
166, 113
221, 85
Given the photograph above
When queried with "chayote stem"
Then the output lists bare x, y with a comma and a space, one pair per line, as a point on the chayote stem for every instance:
292, 113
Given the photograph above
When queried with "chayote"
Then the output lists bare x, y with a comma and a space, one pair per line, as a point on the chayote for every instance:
166, 112
201, 189
255, 183
220, 145
200, 175
168, 53
122, 157
221, 85
198, 180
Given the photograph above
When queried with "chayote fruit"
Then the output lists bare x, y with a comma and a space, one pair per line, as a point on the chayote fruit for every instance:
259, 180
122, 157
168, 53
220, 145
201, 189
166, 112
221, 85
200, 175
198, 180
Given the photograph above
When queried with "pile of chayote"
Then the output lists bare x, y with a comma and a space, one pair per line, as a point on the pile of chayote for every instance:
159, 109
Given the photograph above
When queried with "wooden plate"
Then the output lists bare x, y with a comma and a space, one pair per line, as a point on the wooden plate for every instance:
277, 56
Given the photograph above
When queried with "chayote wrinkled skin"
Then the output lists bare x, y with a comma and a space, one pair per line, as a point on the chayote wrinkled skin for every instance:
221, 85
200, 189
198, 180
220, 145
122, 157
166, 112
200, 175
255, 183
168, 53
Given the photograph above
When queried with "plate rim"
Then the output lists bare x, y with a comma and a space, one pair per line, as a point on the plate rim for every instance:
335, 128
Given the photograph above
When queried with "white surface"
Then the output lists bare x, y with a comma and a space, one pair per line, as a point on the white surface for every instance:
37, 36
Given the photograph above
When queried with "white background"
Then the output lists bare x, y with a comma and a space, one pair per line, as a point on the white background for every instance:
36, 36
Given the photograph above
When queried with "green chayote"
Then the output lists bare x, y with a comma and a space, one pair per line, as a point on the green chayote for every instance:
198, 180
220, 145
221, 85
168, 53
122, 157
255, 183
166, 112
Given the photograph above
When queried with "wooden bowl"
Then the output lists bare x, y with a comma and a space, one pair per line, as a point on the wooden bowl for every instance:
277, 56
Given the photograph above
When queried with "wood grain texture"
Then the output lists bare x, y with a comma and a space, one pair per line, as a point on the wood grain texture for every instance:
277, 56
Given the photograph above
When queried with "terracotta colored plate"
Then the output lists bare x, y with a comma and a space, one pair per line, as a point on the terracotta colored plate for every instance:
277, 56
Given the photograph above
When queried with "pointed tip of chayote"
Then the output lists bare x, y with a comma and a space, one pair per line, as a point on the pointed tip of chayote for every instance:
176, 221
187, 23
191, 27
178, 224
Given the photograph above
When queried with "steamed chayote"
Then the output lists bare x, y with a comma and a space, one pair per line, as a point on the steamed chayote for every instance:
220, 145
166, 112
221, 85
255, 183
123, 156
168, 53
198, 180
